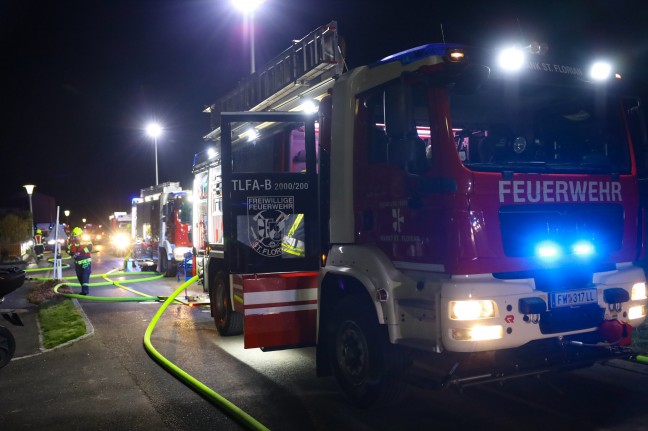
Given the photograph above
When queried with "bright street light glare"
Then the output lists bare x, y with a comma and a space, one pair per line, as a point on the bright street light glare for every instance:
247, 6
153, 130
29, 188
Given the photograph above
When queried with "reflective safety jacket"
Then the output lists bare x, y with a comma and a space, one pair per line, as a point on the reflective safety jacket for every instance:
80, 250
38, 239
293, 242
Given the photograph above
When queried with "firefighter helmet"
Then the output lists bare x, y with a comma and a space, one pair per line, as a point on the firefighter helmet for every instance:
38, 232
77, 231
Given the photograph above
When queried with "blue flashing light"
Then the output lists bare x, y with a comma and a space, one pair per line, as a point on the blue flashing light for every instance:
583, 248
204, 156
548, 250
551, 250
415, 54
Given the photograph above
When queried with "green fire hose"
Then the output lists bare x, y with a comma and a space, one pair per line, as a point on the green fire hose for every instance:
221, 402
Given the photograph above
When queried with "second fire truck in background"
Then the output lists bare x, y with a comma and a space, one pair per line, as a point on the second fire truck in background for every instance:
120, 232
161, 227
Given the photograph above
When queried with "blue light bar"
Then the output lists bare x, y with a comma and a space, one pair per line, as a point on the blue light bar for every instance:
415, 54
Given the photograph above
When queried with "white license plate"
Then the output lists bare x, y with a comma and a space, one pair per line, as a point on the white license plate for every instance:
571, 298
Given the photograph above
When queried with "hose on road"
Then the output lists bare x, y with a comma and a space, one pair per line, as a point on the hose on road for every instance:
226, 405
221, 402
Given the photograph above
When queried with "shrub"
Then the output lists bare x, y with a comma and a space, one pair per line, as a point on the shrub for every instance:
43, 291
15, 228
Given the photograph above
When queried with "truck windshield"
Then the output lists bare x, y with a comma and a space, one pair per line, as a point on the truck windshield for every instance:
525, 127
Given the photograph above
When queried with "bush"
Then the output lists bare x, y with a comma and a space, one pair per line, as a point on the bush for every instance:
15, 228
44, 291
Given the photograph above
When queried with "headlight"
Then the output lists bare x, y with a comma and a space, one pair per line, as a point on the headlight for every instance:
85, 237
638, 291
471, 310
179, 252
51, 242
636, 312
121, 241
478, 333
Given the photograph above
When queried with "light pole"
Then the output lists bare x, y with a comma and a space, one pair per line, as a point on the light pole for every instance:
154, 130
67, 217
248, 7
30, 190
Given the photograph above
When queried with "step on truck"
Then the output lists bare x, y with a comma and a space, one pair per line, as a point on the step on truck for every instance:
161, 223
450, 215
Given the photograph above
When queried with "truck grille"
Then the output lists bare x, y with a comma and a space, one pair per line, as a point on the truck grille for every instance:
524, 226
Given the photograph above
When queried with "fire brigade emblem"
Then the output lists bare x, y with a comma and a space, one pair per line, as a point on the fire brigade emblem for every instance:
267, 218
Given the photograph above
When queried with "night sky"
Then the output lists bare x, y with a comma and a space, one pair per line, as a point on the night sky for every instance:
80, 79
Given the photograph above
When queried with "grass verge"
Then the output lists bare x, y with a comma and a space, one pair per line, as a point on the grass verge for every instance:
59, 319
60, 322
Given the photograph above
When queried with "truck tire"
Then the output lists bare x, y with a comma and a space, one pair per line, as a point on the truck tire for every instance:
368, 369
165, 266
228, 322
7, 346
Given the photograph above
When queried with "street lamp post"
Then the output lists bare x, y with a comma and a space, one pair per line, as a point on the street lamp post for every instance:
248, 7
30, 190
67, 217
154, 130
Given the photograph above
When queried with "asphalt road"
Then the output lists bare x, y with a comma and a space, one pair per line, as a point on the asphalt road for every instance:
108, 381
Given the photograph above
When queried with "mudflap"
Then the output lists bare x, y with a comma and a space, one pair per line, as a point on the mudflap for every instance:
280, 310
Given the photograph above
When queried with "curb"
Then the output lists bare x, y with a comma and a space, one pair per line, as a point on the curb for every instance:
89, 332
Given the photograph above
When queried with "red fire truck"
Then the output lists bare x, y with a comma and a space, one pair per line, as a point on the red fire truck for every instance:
161, 227
120, 232
451, 215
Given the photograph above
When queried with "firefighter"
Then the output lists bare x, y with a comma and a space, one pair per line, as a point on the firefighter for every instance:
293, 242
38, 244
81, 251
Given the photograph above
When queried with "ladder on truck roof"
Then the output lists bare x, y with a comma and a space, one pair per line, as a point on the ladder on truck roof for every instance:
305, 70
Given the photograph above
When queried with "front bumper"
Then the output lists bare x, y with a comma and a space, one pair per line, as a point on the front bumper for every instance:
525, 314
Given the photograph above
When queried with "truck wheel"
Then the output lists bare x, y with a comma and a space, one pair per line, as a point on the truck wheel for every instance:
228, 322
163, 262
366, 366
7, 346
164, 266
